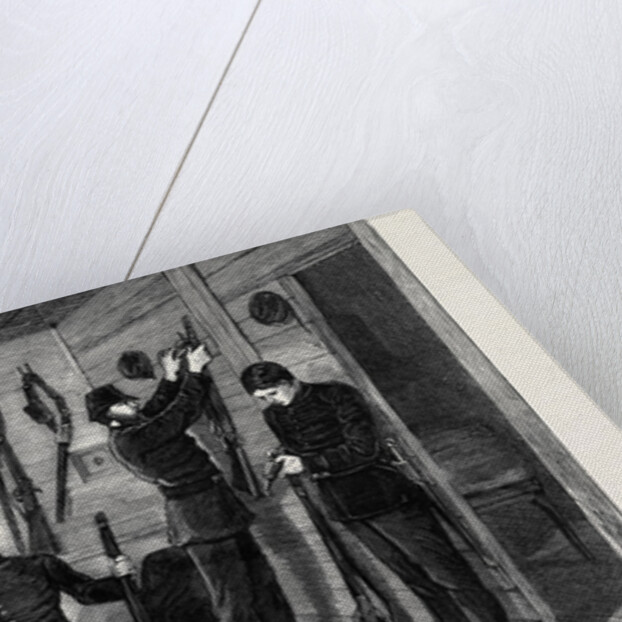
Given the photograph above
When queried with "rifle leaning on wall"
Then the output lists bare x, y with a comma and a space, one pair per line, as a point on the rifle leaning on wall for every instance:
40, 413
366, 611
242, 475
112, 550
11, 520
41, 538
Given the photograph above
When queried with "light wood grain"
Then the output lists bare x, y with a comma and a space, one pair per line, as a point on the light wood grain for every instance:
498, 122
98, 103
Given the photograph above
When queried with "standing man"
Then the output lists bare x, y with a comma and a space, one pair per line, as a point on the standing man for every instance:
328, 431
136, 364
30, 587
203, 514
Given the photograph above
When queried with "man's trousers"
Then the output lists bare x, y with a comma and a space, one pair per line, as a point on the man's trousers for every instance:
240, 581
412, 543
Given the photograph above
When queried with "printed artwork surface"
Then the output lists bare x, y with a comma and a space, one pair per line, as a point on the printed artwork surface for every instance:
293, 432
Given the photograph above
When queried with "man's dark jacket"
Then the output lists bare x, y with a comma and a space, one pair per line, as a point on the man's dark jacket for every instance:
30, 588
199, 503
173, 590
330, 427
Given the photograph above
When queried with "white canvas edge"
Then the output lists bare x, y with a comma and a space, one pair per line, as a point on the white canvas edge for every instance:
593, 439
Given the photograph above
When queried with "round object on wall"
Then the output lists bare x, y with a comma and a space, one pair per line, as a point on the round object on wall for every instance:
134, 364
269, 308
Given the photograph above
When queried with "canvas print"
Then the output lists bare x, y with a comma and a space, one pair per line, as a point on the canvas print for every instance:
295, 432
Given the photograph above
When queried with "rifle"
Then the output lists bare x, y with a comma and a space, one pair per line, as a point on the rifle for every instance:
11, 519
112, 550
39, 412
41, 538
242, 474
366, 611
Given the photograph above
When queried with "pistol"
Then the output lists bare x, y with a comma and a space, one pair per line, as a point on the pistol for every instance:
271, 470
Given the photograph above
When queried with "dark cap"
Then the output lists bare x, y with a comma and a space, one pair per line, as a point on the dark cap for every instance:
133, 364
99, 401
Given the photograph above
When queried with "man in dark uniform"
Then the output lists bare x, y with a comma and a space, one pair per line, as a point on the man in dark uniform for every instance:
328, 431
203, 514
30, 588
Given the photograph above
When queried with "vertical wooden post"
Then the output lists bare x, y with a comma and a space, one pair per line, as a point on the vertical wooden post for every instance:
69, 355
211, 314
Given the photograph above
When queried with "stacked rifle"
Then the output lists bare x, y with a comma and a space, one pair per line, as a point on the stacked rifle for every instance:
360, 589
22, 500
40, 413
41, 538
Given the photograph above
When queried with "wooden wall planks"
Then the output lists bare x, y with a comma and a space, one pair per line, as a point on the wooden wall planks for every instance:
296, 346
130, 503
98, 104
248, 271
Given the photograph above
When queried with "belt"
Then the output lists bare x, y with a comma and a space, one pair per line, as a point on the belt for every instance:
335, 474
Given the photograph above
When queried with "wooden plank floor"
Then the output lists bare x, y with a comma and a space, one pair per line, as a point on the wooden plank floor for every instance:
498, 122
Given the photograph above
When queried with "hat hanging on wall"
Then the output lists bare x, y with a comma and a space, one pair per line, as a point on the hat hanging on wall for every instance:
269, 308
134, 364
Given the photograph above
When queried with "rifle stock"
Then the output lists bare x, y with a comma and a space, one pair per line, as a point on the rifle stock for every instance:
41, 538
39, 412
35, 407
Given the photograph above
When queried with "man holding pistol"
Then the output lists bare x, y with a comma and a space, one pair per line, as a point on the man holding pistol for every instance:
328, 431
203, 514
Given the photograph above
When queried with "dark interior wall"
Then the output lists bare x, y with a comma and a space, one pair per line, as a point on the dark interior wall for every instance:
461, 428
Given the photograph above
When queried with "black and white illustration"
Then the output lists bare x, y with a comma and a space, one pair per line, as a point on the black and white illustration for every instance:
295, 432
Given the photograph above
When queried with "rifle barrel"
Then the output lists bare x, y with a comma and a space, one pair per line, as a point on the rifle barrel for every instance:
216, 410
112, 550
